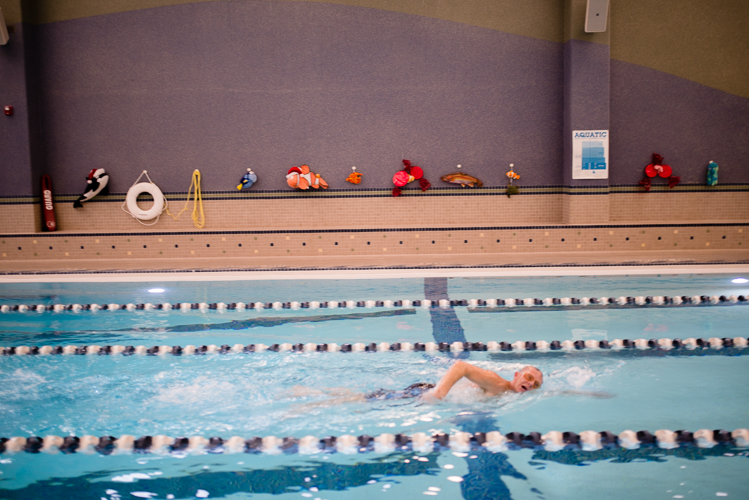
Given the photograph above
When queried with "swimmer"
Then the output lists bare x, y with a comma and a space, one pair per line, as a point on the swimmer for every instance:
524, 380
527, 379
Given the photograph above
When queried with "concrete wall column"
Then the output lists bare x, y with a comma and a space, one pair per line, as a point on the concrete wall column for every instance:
21, 152
586, 107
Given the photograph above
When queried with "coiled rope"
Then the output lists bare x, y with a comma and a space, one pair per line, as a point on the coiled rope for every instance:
198, 218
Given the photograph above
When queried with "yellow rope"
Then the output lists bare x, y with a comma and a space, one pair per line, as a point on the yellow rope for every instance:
198, 220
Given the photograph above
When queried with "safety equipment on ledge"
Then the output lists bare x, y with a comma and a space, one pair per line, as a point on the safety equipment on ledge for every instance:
248, 180
48, 209
712, 174
303, 178
512, 176
97, 183
462, 179
657, 168
131, 201
198, 218
409, 173
354, 177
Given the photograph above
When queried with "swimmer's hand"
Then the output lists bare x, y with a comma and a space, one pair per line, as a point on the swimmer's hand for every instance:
431, 397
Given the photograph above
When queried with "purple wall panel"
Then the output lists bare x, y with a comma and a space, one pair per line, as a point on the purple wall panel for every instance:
222, 86
688, 123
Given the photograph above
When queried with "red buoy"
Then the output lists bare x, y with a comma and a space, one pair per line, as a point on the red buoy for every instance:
48, 209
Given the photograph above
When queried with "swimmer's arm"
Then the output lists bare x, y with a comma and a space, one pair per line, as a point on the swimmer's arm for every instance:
486, 379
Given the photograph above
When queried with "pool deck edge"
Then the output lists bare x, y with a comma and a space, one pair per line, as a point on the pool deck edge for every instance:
462, 265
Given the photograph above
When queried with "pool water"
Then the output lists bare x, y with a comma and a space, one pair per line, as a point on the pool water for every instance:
299, 394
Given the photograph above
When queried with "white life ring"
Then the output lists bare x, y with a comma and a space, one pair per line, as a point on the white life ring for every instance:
132, 197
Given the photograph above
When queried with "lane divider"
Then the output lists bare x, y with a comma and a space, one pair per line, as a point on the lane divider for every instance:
474, 304
420, 442
732, 346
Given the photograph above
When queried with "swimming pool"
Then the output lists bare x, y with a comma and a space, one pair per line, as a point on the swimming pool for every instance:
269, 392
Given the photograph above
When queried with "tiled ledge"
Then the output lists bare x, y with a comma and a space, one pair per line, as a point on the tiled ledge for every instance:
284, 248
681, 261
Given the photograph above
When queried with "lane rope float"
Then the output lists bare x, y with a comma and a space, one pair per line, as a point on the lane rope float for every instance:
732, 347
458, 442
473, 305
131, 201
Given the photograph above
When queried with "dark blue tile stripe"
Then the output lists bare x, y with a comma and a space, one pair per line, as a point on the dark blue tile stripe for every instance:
377, 230
386, 193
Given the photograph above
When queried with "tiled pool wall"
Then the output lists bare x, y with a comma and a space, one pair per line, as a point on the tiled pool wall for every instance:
353, 223
365, 209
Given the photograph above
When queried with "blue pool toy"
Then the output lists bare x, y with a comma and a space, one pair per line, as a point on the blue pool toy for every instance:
248, 180
712, 174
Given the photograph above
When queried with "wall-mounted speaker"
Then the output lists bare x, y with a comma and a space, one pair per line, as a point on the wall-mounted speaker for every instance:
595, 16
3, 29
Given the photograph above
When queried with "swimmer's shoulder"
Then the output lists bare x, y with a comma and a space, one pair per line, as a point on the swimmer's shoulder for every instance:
499, 387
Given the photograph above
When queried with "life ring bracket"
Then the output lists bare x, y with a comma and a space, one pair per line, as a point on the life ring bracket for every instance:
130, 205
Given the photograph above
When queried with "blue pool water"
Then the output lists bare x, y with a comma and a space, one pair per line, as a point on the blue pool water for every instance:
273, 393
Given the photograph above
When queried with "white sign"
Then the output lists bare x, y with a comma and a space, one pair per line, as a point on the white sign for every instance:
590, 154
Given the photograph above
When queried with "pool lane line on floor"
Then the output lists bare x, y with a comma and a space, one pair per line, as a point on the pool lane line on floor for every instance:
268, 322
457, 442
446, 326
675, 347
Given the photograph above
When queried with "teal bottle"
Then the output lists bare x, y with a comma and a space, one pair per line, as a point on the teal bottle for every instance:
712, 174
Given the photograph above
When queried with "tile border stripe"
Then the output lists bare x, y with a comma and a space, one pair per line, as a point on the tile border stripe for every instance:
371, 268
375, 230
386, 193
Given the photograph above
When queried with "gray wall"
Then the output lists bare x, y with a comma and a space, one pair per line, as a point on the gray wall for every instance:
225, 86
222, 86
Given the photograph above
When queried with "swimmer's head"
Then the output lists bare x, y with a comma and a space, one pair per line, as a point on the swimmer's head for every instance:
527, 379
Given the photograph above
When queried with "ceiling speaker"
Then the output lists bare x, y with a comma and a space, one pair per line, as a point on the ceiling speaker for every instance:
596, 15
3, 29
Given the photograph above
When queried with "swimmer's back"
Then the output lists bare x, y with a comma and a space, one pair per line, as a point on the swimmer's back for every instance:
412, 391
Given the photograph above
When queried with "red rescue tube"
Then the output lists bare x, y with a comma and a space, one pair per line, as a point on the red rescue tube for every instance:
48, 209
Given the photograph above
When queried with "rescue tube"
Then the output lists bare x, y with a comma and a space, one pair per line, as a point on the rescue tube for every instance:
48, 209
131, 200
